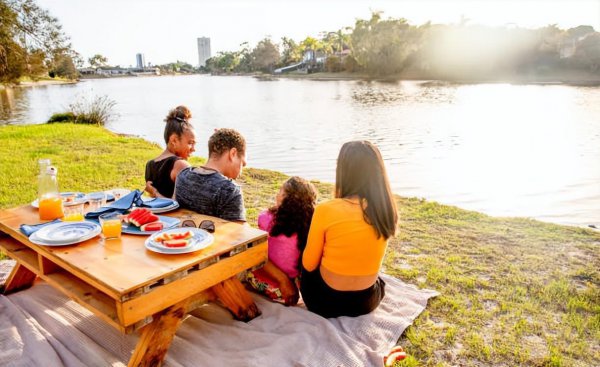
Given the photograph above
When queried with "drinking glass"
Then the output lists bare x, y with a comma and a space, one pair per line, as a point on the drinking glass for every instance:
111, 225
73, 211
96, 200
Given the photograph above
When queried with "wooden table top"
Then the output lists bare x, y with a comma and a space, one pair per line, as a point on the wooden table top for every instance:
123, 265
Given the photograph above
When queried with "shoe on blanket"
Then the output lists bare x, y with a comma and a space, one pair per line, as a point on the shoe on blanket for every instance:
396, 354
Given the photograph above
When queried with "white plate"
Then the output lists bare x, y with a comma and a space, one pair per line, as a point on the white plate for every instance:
201, 239
169, 222
65, 233
165, 209
79, 197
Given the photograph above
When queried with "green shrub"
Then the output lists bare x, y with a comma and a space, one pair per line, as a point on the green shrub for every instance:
94, 111
62, 117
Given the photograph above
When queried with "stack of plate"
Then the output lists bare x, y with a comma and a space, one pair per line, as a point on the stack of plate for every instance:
201, 239
65, 233
174, 205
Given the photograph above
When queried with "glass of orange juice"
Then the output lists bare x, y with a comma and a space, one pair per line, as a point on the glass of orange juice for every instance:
73, 211
111, 225
50, 208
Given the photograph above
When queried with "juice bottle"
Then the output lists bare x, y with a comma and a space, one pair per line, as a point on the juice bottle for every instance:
50, 202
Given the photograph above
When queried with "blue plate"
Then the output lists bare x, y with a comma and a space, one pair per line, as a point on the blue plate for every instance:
169, 222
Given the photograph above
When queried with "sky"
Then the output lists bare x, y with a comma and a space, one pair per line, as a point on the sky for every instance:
166, 31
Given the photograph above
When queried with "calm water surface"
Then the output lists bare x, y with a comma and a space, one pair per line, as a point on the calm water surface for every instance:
508, 150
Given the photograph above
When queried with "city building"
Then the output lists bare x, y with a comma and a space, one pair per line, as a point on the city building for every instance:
203, 50
140, 62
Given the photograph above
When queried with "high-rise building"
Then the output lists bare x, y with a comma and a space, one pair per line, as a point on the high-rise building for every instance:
203, 50
141, 63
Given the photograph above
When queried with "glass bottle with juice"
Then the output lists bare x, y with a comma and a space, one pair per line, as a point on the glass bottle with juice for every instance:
50, 202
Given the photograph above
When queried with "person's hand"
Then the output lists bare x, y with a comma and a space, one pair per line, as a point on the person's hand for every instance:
289, 292
151, 190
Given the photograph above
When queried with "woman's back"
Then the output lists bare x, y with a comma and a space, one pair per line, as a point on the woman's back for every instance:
159, 172
349, 246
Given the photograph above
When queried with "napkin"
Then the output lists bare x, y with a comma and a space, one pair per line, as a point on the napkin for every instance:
120, 206
29, 229
157, 203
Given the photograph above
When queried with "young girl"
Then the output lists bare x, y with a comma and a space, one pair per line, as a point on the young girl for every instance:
287, 223
348, 237
180, 138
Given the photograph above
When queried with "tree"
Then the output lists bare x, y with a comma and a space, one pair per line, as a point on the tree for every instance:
27, 31
383, 46
265, 55
65, 67
97, 60
291, 52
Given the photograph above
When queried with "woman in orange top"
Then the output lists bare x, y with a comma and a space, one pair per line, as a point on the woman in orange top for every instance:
348, 237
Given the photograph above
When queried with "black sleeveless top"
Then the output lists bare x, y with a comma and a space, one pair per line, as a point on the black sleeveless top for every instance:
159, 172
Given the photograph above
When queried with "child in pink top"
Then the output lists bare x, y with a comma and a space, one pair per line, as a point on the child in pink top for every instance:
287, 223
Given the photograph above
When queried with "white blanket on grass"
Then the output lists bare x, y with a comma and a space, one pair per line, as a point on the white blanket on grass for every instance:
42, 327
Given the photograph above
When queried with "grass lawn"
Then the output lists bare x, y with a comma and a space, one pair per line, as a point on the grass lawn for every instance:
514, 292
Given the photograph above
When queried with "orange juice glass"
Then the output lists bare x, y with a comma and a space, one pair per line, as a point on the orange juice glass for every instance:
51, 208
111, 225
73, 211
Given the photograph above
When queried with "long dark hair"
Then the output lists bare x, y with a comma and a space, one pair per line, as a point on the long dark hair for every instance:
178, 121
361, 172
295, 212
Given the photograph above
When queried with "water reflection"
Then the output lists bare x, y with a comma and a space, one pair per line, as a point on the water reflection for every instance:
502, 149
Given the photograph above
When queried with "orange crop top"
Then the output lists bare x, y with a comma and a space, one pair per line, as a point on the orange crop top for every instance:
341, 241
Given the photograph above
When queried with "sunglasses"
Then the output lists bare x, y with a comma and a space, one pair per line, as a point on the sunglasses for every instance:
207, 225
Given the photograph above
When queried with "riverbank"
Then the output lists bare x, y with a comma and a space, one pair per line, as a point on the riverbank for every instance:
513, 291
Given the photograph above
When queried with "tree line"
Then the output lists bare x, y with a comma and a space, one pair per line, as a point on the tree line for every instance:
379, 46
32, 43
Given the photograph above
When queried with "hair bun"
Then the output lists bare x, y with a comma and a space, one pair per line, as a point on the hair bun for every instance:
179, 113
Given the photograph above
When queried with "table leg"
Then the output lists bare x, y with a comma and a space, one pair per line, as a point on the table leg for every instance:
236, 298
19, 278
156, 337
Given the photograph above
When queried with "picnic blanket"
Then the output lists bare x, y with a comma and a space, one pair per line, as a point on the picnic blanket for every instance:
42, 327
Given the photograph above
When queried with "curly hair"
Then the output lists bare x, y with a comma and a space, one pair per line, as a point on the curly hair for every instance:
295, 212
178, 121
225, 139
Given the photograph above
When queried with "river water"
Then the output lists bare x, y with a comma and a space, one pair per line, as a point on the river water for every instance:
502, 149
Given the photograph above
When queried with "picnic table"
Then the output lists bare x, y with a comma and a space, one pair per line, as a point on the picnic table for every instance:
134, 289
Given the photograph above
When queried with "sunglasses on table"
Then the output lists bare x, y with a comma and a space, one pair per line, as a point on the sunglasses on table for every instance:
207, 225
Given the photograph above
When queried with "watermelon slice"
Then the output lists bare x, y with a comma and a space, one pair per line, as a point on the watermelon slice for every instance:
175, 243
136, 213
146, 217
152, 226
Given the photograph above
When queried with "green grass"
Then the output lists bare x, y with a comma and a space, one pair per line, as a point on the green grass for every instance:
514, 291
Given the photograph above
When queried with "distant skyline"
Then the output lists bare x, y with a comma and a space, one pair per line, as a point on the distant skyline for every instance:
166, 31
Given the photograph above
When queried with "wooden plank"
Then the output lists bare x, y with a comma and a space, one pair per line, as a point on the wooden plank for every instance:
86, 295
156, 337
19, 278
20, 252
47, 266
236, 299
161, 297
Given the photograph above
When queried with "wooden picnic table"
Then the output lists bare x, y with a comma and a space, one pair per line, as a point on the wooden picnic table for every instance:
133, 288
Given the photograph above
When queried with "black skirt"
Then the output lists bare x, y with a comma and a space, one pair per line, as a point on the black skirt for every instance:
323, 300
